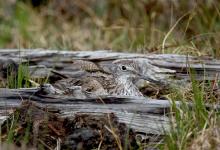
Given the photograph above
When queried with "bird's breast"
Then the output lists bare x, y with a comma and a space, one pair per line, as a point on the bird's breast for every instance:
127, 89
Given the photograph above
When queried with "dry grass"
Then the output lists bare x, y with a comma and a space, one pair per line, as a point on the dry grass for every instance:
124, 25
207, 139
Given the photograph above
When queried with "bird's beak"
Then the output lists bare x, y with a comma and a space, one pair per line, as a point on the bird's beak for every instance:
144, 77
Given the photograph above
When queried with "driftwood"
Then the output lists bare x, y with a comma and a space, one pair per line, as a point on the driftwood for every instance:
159, 66
142, 114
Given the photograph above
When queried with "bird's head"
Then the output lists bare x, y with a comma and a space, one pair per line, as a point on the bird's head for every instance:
129, 69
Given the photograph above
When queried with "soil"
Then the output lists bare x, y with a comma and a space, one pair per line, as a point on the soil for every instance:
40, 128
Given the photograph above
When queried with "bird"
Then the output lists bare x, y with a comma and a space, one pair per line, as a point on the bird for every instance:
119, 80
94, 81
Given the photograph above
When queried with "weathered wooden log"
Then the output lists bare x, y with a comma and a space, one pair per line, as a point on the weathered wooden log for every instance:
141, 114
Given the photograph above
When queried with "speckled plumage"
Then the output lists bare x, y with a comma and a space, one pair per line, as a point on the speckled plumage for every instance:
89, 86
86, 66
98, 82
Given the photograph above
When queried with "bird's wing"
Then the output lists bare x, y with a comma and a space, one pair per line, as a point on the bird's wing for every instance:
84, 65
67, 83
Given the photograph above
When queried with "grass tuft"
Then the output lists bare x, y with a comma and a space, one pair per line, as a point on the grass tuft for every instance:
20, 78
187, 121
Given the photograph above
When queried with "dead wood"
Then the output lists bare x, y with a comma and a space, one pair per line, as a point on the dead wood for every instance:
142, 114
159, 67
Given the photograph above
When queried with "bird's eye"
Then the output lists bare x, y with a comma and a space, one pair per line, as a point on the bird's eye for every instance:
123, 68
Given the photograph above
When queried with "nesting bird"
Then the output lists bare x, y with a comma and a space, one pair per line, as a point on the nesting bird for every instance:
96, 81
